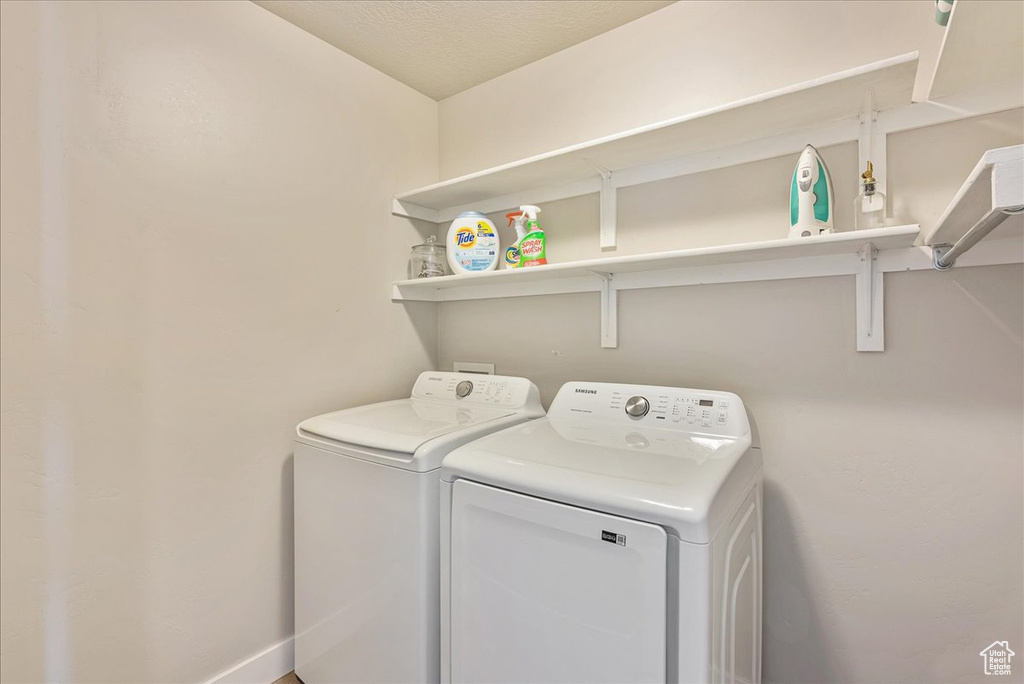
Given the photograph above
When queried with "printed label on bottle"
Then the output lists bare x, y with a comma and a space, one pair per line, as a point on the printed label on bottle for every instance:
473, 246
532, 250
476, 247
465, 238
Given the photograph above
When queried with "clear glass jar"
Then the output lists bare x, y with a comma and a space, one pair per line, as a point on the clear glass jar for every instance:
869, 206
428, 260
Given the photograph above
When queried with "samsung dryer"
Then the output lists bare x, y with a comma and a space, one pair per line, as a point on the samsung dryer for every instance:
616, 540
366, 524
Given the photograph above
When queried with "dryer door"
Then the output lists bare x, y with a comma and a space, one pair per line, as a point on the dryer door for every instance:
545, 592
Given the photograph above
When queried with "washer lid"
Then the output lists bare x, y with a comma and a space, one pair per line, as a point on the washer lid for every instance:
400, 426
685, 483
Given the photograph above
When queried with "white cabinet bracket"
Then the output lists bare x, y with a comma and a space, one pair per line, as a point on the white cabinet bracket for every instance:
609, 208
609, 311
609, 211
871, 141
870, 302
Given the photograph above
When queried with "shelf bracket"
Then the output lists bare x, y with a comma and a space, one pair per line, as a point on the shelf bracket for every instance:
609, 208
870, 302
609, 211
609, 311
939, 260
871, 141
944, 256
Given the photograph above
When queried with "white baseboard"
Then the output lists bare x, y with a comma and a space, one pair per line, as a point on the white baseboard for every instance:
268, 665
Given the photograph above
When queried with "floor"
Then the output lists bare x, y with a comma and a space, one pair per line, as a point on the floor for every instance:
289, 678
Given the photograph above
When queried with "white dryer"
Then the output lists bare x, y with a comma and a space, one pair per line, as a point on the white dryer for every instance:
616, 540
366, 524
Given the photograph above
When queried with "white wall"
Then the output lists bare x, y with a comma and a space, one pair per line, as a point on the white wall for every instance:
196, 255
892, 492
684, 58
893, 499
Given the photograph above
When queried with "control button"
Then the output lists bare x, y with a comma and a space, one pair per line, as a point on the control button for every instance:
637, 406
705, 423
721, 418
804, 181
723, 403
464, 388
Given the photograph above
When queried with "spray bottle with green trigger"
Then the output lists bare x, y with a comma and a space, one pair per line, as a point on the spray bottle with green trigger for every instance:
533, 246
512, 251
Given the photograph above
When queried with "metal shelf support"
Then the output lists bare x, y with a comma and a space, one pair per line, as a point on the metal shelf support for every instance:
993, 192
945, 258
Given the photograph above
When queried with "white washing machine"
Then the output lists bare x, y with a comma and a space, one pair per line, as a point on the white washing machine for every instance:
616, 540
366, 525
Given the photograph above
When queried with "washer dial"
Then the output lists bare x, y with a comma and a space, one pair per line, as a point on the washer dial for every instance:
637, 406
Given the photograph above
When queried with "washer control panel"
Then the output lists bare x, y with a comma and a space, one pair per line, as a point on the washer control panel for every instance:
479, 390
685, 410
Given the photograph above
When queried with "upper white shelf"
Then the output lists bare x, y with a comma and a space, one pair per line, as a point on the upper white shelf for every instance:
652, 270
983, 48
995, 187
817, 102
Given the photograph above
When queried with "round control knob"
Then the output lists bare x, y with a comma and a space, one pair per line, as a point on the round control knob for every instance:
464, 388
637, 406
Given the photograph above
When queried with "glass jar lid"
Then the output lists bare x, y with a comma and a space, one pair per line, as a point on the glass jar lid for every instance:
430, 246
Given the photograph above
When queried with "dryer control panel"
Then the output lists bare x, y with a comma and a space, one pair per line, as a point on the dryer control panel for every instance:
670, 408
476, 389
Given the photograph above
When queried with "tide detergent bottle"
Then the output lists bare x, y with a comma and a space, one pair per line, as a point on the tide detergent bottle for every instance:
533, 245
472, 244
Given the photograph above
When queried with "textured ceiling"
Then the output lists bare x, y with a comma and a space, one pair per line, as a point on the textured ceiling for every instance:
443, 47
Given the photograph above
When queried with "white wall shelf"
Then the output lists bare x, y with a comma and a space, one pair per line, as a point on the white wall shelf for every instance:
758, 127
850, 253
981, 50
863, 104
993, 191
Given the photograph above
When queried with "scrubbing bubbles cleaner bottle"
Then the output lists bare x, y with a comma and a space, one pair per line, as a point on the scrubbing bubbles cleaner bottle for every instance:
512, 251
533, 246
